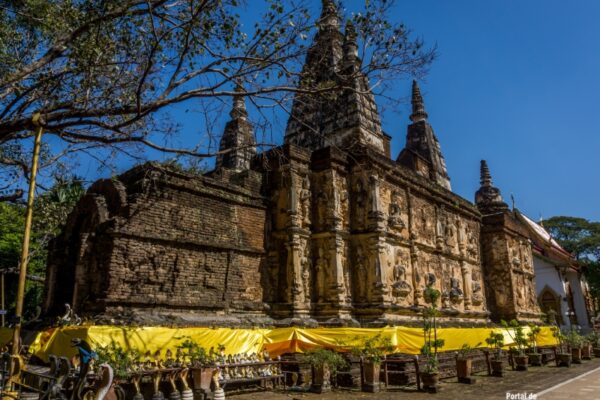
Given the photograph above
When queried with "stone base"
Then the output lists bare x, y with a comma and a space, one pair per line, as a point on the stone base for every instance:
469, 380
432, 389
369, 388
319, 388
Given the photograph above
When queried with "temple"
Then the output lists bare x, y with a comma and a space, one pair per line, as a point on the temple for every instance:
328, 229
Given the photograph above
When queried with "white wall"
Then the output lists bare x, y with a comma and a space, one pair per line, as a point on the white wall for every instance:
578, 300
546, 274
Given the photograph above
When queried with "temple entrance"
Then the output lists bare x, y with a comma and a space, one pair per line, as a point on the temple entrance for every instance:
549, 300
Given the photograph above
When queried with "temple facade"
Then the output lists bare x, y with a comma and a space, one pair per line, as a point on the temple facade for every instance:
327, 229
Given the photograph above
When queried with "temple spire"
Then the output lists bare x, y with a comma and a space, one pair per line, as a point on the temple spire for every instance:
422, 152
239, 104
350, 45
418, 106
485, 176
329, 16
237, 146
488, 198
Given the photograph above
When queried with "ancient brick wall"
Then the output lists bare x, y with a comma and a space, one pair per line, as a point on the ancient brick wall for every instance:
172, 241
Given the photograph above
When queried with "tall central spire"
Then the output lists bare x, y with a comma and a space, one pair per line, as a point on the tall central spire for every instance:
329, 16
347, 117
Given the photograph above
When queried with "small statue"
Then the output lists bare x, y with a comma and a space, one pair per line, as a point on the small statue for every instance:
266, 355
169, 362
158, 364
69, 318
455, 291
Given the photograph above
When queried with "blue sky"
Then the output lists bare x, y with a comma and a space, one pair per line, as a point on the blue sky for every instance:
515, 83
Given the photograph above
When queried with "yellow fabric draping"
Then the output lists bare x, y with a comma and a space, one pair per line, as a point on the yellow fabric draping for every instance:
276, 341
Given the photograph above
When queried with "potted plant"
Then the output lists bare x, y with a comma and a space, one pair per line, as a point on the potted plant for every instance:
586, 349
464, 364
496, 341
121, 360
594, 339
325, 364
430, 374
201, 366
515, 331
535, 358
575, 342
563, 356
372, 352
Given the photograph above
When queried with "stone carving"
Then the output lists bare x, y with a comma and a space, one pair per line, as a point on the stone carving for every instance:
440, 229
456, 294
305, 268
449, 232
477, 296
323, 275
472, 243
394, 213
362, 269
304, 197
361, 202
400, 286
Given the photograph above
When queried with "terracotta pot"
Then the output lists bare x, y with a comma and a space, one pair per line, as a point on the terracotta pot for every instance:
463, 367
535, 359
563, 359
371, 376
322, 379
202, 379
521, 362
586, 352
497, 368
430, 381
596, 351
576, 354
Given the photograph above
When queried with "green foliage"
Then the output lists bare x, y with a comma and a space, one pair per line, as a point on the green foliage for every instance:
431, 295
581, 238
49, 215
321, 357
431, 343
373, 348
516, 333
120, 359
196, 355
496, 341
465, 350
534, 331
574, 339
594, 338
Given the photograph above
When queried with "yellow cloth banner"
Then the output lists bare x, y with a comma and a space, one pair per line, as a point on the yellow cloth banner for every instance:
276, 341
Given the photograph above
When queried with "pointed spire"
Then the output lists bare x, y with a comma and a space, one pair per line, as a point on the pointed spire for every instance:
350, 45
237, 146
239, 104
329, 15
485, 176
488, 197
418, 106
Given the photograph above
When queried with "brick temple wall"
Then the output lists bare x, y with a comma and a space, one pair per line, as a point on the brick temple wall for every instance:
169, 241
